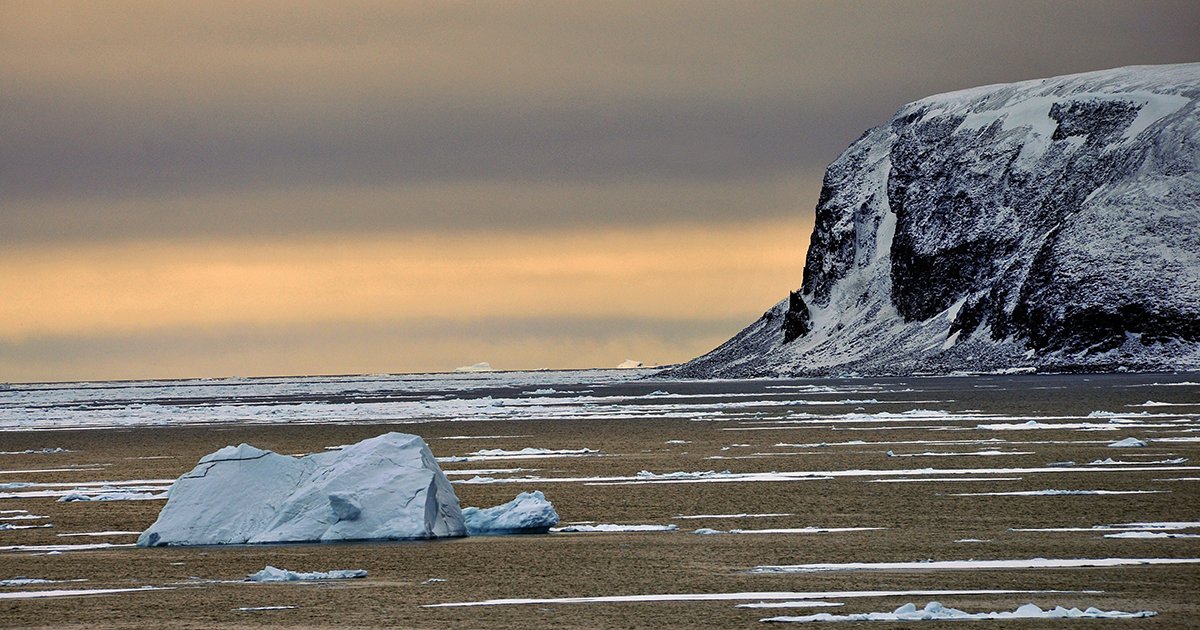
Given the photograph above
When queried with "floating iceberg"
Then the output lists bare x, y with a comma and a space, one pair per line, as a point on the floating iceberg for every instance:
629, 364
1129, 442
482, 366
272, 574
934, 611
529, 513
387, 487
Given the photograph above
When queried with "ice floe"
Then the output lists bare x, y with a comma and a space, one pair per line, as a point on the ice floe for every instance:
1161, 462
1118, 527
81, 468
943, 479
746, 596
1129, 442
10, 526
21, 580
803, 603
529, 513
79, 592
524, 452
37, 451
273, 574
72, 497
609, 527
386, 487
1054, 493
934, 611
974, 565
742, 515
62, 548
788, 530
989, 453
1145, 534
264, 608
115, 532
647, 477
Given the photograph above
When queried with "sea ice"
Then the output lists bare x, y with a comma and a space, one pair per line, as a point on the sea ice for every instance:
78, 592
387, 487
738, 596
57, 549
742, 515
72, 497
1144, 534
788, 530
531, 451
934, 611
115, 532
952, 565
987, 453
608, 527
1055, 493
800, 603
21, 580
529, 513
272, 574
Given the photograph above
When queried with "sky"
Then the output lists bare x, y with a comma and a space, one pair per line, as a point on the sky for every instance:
211, 188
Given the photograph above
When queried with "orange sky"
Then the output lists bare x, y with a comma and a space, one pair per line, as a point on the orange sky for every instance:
444, 288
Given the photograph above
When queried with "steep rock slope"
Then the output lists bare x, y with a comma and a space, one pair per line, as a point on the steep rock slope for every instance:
1052, 223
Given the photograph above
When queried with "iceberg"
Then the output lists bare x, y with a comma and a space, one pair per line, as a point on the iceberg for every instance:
482, 366
629, 364
529, 513
384, 488
1129, 442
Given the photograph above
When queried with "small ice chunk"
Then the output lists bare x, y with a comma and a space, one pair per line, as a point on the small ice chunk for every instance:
273, 574
529, 513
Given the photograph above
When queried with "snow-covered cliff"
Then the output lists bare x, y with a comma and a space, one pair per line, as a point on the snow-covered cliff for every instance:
1052, 223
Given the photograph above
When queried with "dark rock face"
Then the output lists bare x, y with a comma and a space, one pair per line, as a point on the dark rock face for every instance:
1051, 223
796, 322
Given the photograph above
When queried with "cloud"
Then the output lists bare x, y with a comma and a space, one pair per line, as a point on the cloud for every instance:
107, 107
